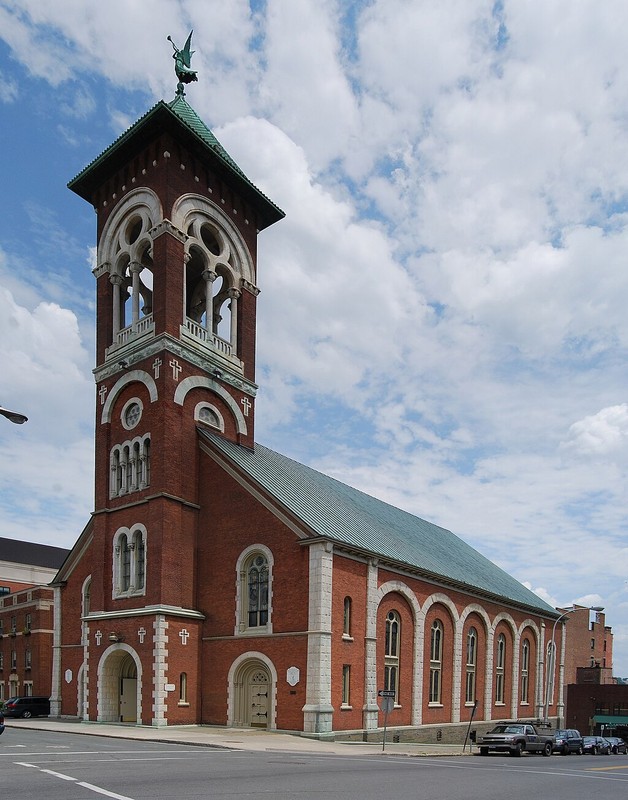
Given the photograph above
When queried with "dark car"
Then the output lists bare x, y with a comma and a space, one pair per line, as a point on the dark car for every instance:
596, 746
1, 723
26, 707
568, 740
617, 745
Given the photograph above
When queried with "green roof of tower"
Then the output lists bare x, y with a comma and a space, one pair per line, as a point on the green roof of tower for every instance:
329, 509
179, 119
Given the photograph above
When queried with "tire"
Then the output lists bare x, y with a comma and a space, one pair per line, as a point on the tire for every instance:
547, 749
565, 750
580, 750
518, 750
483, 751
27, 714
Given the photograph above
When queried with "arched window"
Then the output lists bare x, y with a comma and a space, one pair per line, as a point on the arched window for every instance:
254, 591
500, 669
436, 662
129, 561
258, 591
87, 594
471, 666
346, 620
130, 466
525, 670
391, 653
183, 688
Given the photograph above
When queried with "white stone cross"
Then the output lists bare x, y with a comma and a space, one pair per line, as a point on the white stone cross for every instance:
98, 637
176, 369
246, 404
103, 393
156, 365
184, 636
141, 633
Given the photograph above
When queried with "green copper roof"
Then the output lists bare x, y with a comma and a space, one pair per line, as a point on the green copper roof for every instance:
179, 119
338, 512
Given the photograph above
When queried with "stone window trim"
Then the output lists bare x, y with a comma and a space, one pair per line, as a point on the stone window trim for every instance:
246, 559
129, 562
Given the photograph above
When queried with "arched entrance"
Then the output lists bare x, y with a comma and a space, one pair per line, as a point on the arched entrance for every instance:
119, 686
253, 695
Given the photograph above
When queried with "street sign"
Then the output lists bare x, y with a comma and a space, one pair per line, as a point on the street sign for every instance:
386, 693
388, 703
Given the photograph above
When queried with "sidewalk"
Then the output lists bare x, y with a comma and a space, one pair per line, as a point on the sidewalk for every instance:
233, 738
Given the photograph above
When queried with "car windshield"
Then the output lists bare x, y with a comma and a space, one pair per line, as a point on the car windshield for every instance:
508, 729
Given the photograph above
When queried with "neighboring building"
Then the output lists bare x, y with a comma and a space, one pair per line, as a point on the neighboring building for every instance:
26, 637
589, 643
598, 708
26, 616
24, 564
218, 581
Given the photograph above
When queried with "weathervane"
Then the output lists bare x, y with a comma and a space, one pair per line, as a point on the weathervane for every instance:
182, 59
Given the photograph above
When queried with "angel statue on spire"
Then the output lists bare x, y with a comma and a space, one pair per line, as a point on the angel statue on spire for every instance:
182, 59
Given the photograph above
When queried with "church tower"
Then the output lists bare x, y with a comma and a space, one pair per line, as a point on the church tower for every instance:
177, 224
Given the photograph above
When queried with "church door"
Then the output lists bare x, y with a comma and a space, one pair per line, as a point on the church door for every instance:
128, 700
257, 690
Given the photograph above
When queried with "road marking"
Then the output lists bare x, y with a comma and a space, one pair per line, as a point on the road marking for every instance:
103, 791
605, 769
89, 786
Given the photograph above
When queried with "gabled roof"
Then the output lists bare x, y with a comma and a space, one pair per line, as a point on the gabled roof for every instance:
332, 510
179, 119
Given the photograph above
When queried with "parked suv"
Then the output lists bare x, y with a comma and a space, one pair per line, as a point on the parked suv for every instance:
26, 707
567, 740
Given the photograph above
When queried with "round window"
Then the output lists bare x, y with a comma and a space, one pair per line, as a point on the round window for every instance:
131, 415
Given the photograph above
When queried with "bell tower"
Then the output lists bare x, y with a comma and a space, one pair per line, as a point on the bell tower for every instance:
177, 225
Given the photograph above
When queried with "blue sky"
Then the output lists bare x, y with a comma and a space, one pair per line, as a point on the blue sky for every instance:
443, 312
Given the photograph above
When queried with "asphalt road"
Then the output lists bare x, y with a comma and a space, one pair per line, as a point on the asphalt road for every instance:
59, 766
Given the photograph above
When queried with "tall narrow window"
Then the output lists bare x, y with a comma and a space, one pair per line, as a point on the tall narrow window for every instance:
346, 685
472, 658
27, 659
183, 687
436, 662
500, 668
140, 559
125, 552
346, 621
525, 670
258, 591
28, 622
391, 658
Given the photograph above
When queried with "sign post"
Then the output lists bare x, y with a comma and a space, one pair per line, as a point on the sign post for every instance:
388, 702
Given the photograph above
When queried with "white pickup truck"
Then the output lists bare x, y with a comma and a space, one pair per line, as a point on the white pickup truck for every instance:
515, 738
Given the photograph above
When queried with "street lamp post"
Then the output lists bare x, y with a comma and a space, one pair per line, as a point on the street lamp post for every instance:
551, 659
13, 416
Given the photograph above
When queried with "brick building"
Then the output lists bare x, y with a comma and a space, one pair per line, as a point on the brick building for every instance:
220, 582
26, 616
589, 644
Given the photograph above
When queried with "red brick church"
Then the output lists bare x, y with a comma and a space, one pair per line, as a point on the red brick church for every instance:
220, 582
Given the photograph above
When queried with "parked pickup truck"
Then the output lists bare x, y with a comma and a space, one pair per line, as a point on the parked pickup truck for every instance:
515, 738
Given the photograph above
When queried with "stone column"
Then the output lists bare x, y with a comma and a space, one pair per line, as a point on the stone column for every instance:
209, 277
116, 281
370, 709
318, 710
234, 294
135, 269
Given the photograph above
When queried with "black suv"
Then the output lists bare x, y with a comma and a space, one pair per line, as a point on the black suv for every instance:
567, 740
26, 707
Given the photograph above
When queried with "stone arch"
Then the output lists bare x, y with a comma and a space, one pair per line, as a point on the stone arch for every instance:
531, 625
119, 661
417, 647
197, 381
240, 670
442, 599
480, 611
142, 200
134, 375
188, 205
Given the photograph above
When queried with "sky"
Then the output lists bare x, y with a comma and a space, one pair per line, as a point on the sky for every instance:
442, 319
